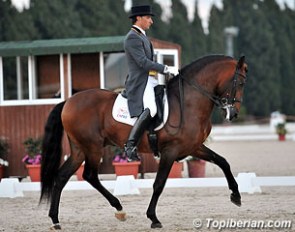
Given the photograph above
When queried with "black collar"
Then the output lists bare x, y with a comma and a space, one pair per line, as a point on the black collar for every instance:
136, 29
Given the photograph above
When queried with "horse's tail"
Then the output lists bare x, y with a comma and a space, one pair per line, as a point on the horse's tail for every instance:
51, 151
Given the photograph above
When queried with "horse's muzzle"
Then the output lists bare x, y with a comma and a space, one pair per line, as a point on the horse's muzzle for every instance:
230, 112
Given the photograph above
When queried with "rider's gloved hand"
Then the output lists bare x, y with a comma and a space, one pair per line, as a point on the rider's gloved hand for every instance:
170, 70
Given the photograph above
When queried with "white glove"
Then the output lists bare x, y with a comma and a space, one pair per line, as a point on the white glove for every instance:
171, 70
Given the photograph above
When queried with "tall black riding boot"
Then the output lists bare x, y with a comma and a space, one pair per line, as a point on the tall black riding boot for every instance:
135, 135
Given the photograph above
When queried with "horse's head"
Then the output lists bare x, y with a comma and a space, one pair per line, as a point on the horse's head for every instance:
219, 78
231, 88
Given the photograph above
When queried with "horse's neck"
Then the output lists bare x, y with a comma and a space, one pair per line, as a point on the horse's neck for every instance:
208, 80
215, 77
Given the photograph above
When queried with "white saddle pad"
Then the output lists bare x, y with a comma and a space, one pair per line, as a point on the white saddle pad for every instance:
121, 113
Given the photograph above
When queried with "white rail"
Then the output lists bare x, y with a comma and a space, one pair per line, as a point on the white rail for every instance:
125, 185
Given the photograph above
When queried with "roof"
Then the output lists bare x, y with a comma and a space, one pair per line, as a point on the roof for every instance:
58, 46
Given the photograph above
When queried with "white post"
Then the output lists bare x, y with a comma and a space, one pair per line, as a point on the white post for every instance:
230, 32
19, 78
61, 76
101, 71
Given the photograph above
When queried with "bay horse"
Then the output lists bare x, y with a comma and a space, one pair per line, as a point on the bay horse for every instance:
87, 120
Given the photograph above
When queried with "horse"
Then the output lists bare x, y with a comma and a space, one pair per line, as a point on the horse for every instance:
86, 118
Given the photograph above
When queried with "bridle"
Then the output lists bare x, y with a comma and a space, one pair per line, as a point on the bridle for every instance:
225, 101
230, 92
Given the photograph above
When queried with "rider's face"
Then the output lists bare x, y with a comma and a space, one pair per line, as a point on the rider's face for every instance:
144, 22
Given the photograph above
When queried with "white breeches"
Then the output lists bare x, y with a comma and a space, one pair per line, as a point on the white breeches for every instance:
149, 100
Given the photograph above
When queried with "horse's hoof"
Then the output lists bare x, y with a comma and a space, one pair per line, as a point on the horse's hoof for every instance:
156, 225
236, 199
120, 215
55, 227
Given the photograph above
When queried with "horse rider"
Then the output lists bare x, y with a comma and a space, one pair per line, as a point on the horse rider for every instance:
142, 78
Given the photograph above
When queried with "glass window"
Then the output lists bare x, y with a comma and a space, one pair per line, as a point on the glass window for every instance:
169, 60
30, 80
116, 71
15, 81
167, 56
46, 82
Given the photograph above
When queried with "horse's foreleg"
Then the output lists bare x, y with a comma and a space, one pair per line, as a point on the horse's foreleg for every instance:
90, 175
64, 174
209, 155
159, 184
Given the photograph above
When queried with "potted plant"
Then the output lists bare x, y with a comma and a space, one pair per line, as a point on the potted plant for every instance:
122, 166
281, 131
33, 157
3, 156
79, 172
176, 170
196, 167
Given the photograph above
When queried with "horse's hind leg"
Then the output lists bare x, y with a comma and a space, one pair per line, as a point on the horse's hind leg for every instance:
90, 174
64, 173
209, 155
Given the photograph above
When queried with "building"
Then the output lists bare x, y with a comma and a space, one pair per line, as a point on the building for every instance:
36, 75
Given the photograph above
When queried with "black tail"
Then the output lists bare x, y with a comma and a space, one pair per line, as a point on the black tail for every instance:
51, 151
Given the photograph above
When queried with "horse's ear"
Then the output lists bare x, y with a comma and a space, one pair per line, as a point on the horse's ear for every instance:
241, 62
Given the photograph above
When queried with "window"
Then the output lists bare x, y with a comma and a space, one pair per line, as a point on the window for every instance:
30, 80
46, 82
167, 56
116, 70
15, 83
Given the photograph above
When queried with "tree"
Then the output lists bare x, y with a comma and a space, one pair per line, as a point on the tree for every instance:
56, 19
288, 68
198, 37
283, 26
15, 25
215, 42
256, 40
179, 30
103, 18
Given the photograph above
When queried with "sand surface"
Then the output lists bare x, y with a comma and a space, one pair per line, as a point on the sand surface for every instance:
178, 209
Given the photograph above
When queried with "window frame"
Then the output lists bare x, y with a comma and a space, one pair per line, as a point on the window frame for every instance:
160, 52
31, 82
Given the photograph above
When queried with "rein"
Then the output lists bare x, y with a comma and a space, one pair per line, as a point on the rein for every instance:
181, 105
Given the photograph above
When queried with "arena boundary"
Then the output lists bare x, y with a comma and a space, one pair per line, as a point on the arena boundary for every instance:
127, 185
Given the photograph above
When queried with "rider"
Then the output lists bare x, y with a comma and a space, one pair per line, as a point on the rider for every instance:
142, 76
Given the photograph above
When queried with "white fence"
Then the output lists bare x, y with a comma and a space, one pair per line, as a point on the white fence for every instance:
249, 132
125, 185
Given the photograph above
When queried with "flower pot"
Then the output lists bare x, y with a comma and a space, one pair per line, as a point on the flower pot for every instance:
126, 168
282, 137
196, 168
176, 170
1, 171
79, 173
34, 171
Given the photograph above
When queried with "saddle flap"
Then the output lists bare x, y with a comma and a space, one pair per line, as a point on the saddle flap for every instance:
121, 113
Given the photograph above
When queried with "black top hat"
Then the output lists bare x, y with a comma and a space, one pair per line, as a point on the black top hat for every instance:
140, 11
